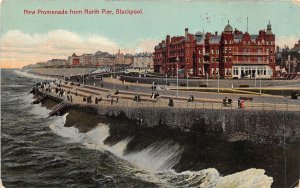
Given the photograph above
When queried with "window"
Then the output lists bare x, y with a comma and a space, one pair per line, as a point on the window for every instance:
217, 51
217, 59
235, 71
200, 51
212, 59
212, 51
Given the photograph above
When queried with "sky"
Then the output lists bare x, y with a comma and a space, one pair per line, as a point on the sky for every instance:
27, 39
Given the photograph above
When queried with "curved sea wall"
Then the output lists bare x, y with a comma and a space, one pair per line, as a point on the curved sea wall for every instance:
257, 126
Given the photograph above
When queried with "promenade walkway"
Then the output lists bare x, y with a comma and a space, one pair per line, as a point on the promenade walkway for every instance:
125, 99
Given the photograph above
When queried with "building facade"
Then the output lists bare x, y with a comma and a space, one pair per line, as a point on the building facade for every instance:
125, 60
143, 61
74, 60
233, 54
289, 58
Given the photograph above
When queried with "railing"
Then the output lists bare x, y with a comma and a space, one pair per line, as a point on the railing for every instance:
161, 103
250, 62
250, 53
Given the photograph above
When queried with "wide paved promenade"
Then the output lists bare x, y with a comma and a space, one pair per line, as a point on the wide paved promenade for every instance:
203, 100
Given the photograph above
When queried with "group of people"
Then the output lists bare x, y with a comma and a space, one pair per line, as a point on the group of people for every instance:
154, 95
87, 99
227, 101
191, 98
44, 86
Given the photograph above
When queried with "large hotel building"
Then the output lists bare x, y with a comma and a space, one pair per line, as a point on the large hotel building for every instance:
233, 54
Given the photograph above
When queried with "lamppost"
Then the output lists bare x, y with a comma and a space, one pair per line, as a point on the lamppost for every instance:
177, 59
260, 83
187, 81
218, 82
207, 79
255, 79
166, 80
114, 76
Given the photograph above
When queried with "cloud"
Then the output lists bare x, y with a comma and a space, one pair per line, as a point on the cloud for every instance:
297, 2
289, 41
19, 48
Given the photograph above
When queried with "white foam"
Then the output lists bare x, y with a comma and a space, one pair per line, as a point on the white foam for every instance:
30, 75
157, 157
39, 111
154, 163
72, 133
247, 178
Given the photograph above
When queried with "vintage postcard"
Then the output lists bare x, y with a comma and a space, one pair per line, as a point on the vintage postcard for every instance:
129, 93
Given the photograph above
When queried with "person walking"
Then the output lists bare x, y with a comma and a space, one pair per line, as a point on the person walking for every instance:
242, 104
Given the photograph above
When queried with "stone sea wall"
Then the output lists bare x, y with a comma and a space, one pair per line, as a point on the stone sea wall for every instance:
257, 126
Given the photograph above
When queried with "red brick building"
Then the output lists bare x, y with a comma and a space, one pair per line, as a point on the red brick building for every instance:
233, 54
74, 60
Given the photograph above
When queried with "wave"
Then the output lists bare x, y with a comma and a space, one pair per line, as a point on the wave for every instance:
154, 163
31, 75
39, 111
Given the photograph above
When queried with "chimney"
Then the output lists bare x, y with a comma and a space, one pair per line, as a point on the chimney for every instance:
216, 33
186, 32
168, 39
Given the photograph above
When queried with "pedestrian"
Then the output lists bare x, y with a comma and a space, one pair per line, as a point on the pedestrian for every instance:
112, 101
242, 104
171, 103
71, 98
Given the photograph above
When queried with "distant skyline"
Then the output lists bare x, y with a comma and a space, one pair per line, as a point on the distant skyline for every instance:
27, 39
